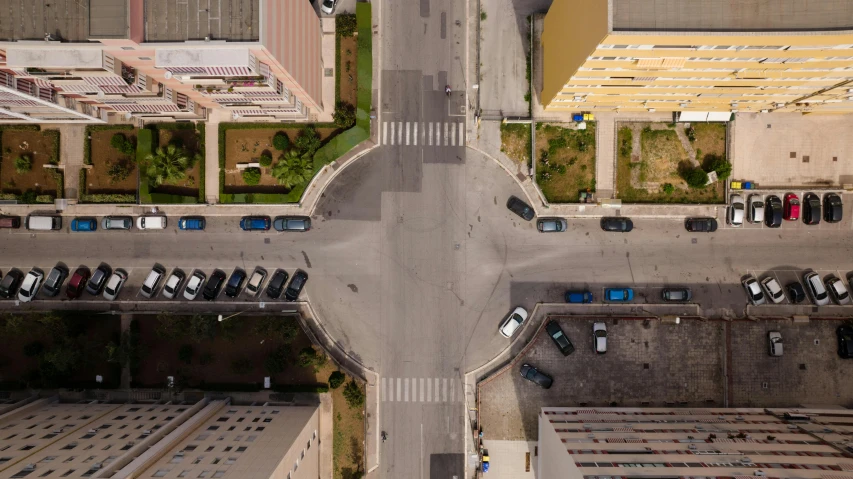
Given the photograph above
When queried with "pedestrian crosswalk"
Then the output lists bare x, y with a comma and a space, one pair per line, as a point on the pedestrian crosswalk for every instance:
429, 133
423, 390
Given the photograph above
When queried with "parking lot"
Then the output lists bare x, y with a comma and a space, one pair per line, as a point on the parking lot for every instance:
649, 363
786, 275
761, 195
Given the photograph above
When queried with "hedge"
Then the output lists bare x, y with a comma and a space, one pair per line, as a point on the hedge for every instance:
119, 198
145, 143
53, 135
300, 388
228, 387
186, 125
84, 185
365, 66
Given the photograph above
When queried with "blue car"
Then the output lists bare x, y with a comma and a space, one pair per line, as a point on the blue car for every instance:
195, 223
619, 295
582, 297
255, 223
84, 224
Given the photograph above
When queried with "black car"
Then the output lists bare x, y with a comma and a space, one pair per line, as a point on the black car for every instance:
530, 373
98, 279
811, 209
845, 341
796, 292
214, 284
520, 208
53, 281
700, 225
773, 212
615, 223
832, 208
560, 339
676, 295
276, 284
235, 283
11, 282
296, 284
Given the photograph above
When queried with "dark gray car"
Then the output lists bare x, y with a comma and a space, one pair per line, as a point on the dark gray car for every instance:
676, 294
292, 223
530, 373
618, 224
117, 223
98, 279
520, 208
551, 225
53, 281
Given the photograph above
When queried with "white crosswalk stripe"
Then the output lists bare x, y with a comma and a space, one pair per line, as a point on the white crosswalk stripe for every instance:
427, 134
420, 390
399, 132
393, 126
415, 136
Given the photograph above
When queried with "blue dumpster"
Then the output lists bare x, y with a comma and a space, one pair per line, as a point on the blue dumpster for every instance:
578, 117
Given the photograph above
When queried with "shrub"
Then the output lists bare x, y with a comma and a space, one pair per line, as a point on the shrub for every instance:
252, 176
625, 144
345, 25
119, 171
555, 144
185, 354
33, 349
691, 134
123, 144
722, 166
309, 357
206, 358
116, 198
354, 395
277, 328
344, 114
280, 141
265, 160
29, 197
308, 141
23, 163
241, 365
695, 178
276, 362
336, 379
668, 188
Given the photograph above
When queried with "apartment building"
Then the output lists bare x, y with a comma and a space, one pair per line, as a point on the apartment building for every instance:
745, 443
46, 438
96, 61
698, 55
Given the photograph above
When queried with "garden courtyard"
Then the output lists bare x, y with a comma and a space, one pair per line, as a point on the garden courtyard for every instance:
23, 176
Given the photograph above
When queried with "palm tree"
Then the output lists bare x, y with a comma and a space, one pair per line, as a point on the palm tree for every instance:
168, 164
291, 169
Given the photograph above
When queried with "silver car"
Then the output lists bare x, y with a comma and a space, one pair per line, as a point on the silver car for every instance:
735, 216
817, 289
753, 291
117, 223
756, 208
551, 225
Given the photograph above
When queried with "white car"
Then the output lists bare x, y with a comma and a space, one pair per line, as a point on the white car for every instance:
838, 291
30, 285
151, 222
513, 322
775, 338
114, 284
753, 291
328, 6
736, 210
756, 208
173, 284
773, 290
815, 286
599, 337
194, 285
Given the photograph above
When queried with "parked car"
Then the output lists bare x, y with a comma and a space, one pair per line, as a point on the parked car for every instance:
811, 209
292, 223
99, 277
151, 222
328, 6
214, 285
84, 224
599, 337
774, 338
844, 334
30, 286
235, 283
700, 225
255, 223
276, 284
796, 292
753, 291
296, 284
512, 322
173, 283
551, 225
10, 221
735, 216
117, 223
192, 223
194, 285
560, 339
580, 297
792, 207
838, 291
773, 289
256, 282
816, 288
617, 223
149, 286
55, 278
77, 283
9, 284
619, 295
520, 208
832, 208
674, 295
114, 284
756, 208
532, 374
773, 213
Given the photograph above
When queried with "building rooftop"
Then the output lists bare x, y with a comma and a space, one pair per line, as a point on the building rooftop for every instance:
182, 20
64, 20
732, 15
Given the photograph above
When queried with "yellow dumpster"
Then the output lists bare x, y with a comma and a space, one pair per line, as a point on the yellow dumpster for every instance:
736, 185
588, 117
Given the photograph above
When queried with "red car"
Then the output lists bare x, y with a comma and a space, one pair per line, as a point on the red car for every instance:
792, 207
77, 283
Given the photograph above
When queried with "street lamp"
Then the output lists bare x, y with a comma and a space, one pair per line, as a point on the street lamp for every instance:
220, 318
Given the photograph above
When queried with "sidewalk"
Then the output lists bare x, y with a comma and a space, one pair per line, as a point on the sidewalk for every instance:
71, 139
211, 161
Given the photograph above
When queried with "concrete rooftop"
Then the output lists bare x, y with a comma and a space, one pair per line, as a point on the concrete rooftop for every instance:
732, 15
181, 20
65, 20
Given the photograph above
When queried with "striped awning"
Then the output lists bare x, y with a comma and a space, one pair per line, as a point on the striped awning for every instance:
108, 80
4, 116
144, 107
120, 89
77, 88
17, 102
42, 83
190, 70
261, 112
229, 71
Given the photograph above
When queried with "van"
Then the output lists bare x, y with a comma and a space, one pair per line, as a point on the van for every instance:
151, 222
44, 222
10, 221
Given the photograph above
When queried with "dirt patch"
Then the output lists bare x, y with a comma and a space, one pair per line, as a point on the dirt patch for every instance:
348, 87
189, 140
710, 140
515, 142
348, 430
565, 161
41, 149
246, 146
103, 156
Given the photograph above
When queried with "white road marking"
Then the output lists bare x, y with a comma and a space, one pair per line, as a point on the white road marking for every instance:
414, 389
437, 134
445, 133
422, 389
452, 135
429, 390
436, 390
384, 387
406, 390
398, 388
452, 395
461, 134
408, 131
416, 133
429, 137
399, 132
444, 390
384, 132
392, 132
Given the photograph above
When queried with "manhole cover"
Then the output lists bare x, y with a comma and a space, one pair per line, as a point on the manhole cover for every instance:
645, 365
817, 342
266, 241
764, 385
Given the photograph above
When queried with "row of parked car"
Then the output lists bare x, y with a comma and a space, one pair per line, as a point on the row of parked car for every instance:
820, 292
773, 210
38, 222
624, 295
106, 282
